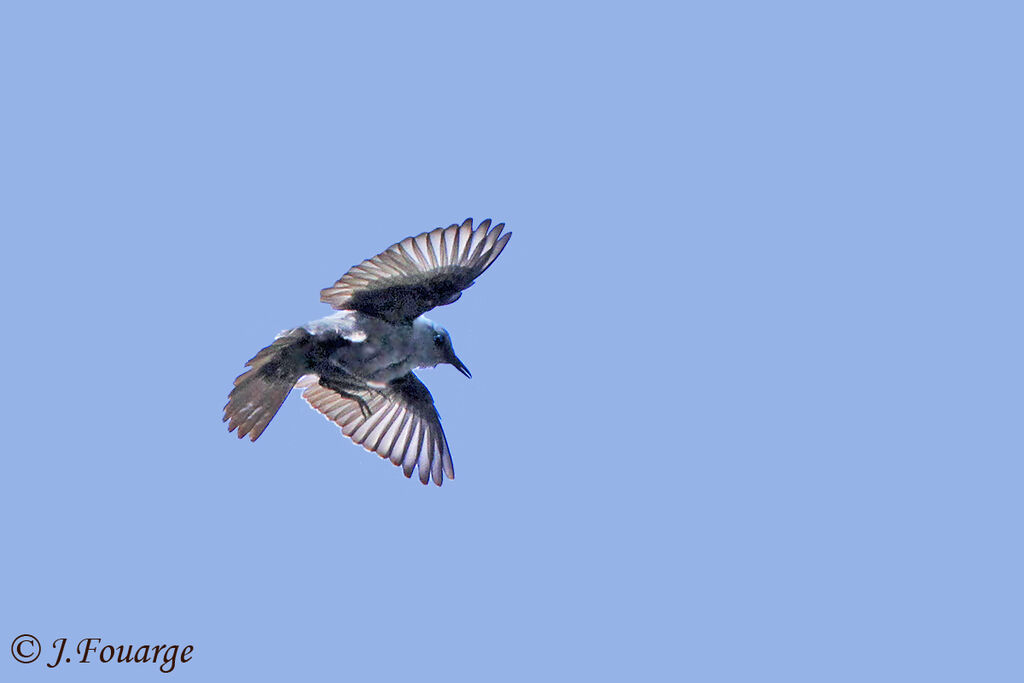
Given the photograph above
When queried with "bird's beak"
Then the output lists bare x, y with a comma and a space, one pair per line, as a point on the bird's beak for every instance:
454, 360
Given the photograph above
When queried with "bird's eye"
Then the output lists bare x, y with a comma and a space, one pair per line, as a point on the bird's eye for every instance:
438, 340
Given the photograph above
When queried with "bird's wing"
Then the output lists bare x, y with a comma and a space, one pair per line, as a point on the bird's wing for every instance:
419, 273
403, 425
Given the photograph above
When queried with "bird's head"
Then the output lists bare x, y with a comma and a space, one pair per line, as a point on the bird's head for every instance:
434, 346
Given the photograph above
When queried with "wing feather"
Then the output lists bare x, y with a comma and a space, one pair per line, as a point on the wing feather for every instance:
403, 425
436, 462
413, 276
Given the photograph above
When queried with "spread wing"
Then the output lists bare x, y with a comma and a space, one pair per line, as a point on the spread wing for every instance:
419, 273
403, 425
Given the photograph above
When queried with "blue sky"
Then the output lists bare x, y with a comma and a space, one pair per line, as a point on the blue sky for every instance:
746, 381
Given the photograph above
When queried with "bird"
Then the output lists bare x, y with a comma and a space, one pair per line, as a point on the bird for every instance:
356, 365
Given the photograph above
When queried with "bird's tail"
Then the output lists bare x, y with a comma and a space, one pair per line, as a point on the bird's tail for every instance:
260, 391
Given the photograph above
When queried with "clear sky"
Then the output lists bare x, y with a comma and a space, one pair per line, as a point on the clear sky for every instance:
746, 398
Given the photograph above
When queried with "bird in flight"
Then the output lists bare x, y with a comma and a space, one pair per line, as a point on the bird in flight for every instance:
356, 365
